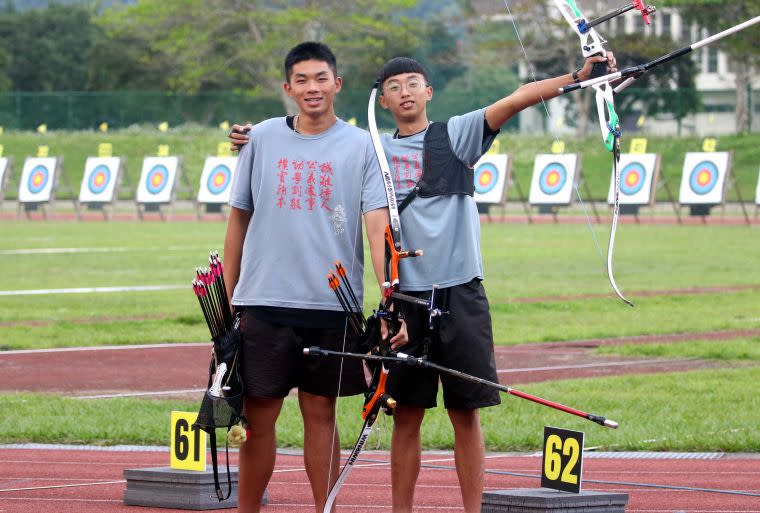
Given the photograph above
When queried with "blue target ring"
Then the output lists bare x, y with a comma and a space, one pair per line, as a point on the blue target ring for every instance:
99, 179
632, 178
486, 177
219, 179
553, 178
38, 179
703, 177
157, 179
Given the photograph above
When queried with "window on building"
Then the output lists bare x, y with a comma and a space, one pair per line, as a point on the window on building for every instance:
712, 60
667, 21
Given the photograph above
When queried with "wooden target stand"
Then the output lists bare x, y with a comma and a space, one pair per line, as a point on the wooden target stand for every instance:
6, 169
702, 210
497, 194
28, 203
147, 205
630, 204
212, 197
540, 199
105, 205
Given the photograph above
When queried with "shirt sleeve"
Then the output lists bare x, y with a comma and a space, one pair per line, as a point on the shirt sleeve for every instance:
373, 190
240, 190
469, 139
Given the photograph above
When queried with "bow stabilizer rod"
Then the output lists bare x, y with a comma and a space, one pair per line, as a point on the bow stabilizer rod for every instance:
634, 72
402, 358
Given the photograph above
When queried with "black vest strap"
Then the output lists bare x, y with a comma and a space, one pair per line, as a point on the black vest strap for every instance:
443, 173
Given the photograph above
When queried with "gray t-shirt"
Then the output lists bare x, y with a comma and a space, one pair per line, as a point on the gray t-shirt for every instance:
307, 194
446, 228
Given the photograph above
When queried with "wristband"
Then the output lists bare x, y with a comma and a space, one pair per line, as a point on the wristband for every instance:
576, 79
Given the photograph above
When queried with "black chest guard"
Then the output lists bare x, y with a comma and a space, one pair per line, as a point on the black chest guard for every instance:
443, 173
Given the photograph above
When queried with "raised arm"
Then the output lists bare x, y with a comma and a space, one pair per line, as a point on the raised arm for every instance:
532, 93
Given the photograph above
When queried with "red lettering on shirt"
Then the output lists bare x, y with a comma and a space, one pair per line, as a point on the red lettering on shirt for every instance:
325, 184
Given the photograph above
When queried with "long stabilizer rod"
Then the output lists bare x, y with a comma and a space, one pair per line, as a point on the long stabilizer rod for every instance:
634, 72
411, 360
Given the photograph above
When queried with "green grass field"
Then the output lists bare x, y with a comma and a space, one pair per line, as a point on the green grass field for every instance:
534, 275
195, 143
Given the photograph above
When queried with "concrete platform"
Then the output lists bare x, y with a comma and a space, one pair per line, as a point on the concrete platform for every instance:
165, 487
544, 500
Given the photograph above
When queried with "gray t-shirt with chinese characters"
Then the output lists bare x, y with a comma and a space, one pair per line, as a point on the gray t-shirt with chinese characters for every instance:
307, 194
446, 228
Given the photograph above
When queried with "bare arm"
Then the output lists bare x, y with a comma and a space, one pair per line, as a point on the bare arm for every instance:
532, 93
237, 226
375, 221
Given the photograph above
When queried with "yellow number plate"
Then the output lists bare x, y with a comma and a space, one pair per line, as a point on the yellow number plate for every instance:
188, 444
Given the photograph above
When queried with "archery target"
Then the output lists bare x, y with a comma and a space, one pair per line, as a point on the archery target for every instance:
637, 178
491, 178
37, 180
703, 178
157, 179
553, 179
101, 174
3, 172
216, 179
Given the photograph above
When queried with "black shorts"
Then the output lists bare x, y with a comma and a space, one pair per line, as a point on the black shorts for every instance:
272, 360
463, 341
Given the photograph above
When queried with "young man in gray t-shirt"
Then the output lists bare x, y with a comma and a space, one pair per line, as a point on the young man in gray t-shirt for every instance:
299, 190
444, 222
440, 217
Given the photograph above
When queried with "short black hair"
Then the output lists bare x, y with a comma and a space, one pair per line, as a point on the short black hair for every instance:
310, 50
399, 65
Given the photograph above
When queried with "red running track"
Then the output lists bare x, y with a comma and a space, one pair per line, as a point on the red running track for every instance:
89, 481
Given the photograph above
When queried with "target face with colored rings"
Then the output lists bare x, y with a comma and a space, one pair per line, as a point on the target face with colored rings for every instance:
703, 177
38, 179
99, 179
486, 177
632, 178
157, 179
553, 178
219, 179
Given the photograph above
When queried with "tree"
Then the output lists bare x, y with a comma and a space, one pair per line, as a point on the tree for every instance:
200, 45
49, 48
741, 49
670, 89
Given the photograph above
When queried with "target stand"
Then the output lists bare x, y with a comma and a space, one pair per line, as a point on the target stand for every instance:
757, 197
554, 178
156, 188
6, 168
639, 173
492, 175
215, 186
705, 180
39, 182
101, 181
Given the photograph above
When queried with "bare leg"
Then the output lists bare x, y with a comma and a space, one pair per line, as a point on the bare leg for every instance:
406, 454
321, 446
469, 457
257, 454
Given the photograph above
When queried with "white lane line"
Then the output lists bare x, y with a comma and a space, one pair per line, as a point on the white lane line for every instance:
586, 366
91, 290
63, 251
54, 251
62, 486
141, 394
105, 348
